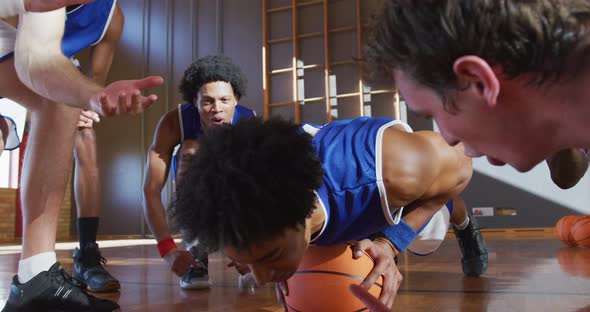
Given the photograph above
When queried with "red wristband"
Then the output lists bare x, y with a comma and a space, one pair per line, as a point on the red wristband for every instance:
165, 245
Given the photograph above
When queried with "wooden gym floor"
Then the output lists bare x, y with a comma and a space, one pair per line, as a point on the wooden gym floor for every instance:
528, 271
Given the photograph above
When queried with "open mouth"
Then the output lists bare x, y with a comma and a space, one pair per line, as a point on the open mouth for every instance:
216, 120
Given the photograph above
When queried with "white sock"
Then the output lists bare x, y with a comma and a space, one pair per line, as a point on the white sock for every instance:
463, 225
31, 266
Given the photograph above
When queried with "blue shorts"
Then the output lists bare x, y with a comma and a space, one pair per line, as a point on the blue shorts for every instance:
86, 25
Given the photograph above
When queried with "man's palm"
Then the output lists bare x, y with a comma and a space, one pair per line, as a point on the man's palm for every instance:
124, 97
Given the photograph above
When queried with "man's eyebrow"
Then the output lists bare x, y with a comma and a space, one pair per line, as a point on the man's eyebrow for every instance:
212, 97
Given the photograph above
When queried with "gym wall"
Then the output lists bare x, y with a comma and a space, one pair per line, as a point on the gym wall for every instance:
164, 37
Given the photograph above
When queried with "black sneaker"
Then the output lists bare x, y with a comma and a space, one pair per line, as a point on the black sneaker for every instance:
53, 291
89, 272
473, 249
197, 278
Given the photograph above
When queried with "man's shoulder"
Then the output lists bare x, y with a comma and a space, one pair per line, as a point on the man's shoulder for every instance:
169, 122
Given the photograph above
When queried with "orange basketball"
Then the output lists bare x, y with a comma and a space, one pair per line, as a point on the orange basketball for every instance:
323, 277
581, 231
563, 230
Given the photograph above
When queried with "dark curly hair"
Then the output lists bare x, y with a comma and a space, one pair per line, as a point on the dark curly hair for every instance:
210, 69
248, 183
424, 38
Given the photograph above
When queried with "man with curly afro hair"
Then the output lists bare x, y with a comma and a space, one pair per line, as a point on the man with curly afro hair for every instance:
211, 88
262, 191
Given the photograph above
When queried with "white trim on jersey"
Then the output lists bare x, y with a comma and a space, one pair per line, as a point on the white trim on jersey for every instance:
323, 207
311, 130
379, 171
106, 27
181, 123
76, 9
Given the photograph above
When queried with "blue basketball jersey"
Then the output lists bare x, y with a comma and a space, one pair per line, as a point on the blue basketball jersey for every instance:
191, 127
353, 194
86, 25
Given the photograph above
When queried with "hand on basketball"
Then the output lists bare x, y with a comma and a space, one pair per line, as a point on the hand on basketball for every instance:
180, 261
383, 255
373, 304
87, 119
282, 290
50, 5
124, 97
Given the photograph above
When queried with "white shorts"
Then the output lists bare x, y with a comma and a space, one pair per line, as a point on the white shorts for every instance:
433, 234
7, 40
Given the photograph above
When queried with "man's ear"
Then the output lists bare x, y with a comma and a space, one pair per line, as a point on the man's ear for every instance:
480, 76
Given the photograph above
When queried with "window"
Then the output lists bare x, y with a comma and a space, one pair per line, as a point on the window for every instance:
311, 62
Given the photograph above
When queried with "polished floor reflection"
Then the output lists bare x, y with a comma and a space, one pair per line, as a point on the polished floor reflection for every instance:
527, 272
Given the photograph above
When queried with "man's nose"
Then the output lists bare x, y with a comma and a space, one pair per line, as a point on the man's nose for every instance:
216, 107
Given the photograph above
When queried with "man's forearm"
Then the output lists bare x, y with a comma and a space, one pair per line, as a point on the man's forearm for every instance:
155, 216
43, 68
59, 81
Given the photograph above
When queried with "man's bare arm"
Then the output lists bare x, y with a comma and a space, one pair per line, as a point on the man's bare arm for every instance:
103, 53
159, 158
41, 66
